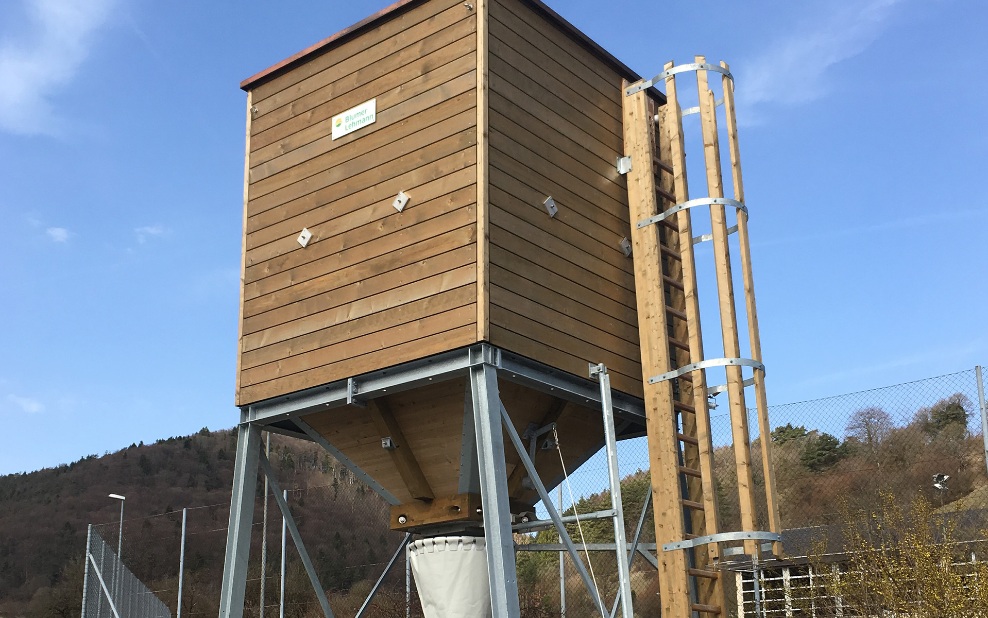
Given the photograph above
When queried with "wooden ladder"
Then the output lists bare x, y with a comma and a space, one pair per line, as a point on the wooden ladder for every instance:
680, 446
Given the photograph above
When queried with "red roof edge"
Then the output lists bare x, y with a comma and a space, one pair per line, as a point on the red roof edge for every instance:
391, 11
381, 15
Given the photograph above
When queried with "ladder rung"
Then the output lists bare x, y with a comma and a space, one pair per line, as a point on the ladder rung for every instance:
687, 439
674, 283
685, 407
705, 609
691, 504
671, 252
689, 471
662, 164
676, 313
705, 574
666, 195
676, 343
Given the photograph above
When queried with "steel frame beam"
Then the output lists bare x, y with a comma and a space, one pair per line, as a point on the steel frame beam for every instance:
501, 568
234, 584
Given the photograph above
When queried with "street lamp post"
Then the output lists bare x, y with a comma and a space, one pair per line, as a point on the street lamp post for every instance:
116, 578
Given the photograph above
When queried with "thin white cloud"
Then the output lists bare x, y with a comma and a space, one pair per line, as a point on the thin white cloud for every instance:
793, 69
149, 231
41, 56
26, 404
58, 234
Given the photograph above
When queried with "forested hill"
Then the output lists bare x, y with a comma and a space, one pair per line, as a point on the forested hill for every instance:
44, 517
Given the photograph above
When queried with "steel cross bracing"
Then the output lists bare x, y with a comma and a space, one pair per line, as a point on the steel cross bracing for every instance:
483, 365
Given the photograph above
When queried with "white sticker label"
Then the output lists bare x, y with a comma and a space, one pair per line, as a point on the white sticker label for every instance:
355, 118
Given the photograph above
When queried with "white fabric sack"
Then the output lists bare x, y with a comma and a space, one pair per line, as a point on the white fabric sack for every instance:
451, 577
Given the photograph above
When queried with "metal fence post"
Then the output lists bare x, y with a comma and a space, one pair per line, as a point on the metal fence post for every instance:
562, 566
85, 574
181, 565
408, 583
984, 410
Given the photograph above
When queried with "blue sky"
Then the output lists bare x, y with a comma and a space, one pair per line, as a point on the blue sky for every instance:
121, 137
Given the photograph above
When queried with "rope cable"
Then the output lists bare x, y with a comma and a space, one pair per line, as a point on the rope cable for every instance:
579, 526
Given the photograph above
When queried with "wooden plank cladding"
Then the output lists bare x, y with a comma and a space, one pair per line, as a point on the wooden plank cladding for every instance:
373, 287
562, 291
482, 110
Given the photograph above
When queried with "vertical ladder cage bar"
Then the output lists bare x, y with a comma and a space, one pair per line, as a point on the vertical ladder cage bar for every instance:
663, 448
501, 566
754, 336
234, 585
728, 312
672, 128
614, 474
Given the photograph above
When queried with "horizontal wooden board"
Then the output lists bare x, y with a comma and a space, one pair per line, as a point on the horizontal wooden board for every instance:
378, 147
510, 81
397, 33
412, 154
534, 345
559, 44
434, 161
347, 292
464, 216
294, 346
401, 104
427, 54
600, 183
455, 336
350, 239
342, 217
388, 261
511, 41
558, 250
568, 226
548, 329
584, 309
380, 335
345, 312
528, 259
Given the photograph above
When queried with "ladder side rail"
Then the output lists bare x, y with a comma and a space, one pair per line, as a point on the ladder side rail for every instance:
662, 434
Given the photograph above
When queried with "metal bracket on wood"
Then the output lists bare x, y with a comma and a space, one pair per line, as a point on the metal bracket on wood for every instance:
713, 362
683, 68
550, 207
722, 538
716, 390
351, 394
623, 165
702, 201
708, 237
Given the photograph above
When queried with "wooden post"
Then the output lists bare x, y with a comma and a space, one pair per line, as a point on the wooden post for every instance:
728, 315
662, 441
761, 400
483, 179
673, 127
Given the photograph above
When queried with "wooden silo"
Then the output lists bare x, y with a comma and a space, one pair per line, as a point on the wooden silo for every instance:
478, 124
438, 239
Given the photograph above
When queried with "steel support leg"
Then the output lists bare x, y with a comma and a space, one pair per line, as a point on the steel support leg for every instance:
241, 516
610, 446
494, 492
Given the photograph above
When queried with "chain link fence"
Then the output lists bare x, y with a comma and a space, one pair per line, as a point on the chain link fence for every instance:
110, 589
831, 457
